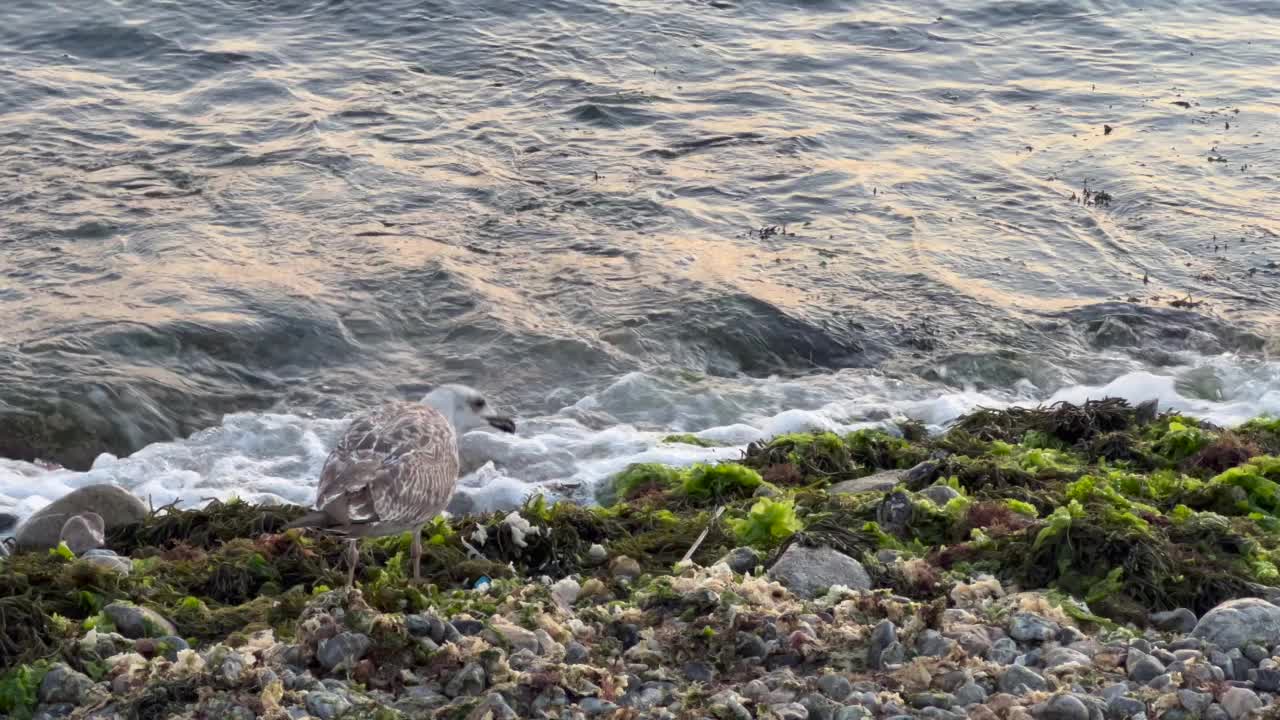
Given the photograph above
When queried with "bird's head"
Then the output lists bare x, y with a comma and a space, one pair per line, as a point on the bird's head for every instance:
467, 409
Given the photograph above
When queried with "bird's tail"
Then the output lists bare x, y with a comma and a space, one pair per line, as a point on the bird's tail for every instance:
317, 518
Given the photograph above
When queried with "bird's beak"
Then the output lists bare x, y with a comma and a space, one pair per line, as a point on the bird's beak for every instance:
505, 424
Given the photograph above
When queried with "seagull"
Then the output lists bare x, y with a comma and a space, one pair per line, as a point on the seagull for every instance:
396, 467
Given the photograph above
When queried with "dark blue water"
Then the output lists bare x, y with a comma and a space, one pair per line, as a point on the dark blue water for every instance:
231, 205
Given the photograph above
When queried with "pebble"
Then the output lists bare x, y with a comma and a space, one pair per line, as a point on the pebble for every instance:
469, 681
575, 653
1065, 707
699, 672
836, 687
809, 572
326, 705
134, 621
931, 643
750, 645
789, 711
884, 635
596, 554
1019, 680
1003, 651
1143, 667
741, 560
61, 684
109, 563
1196, 702
1029, 627
1238, 702
624, 568
970, 693
342, 651
1181, 621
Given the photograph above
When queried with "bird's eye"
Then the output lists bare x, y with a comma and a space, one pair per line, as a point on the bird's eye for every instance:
478, 403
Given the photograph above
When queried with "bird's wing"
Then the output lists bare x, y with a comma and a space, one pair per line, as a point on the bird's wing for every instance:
392, 465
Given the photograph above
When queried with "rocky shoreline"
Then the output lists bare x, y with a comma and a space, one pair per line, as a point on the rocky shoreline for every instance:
1095, 561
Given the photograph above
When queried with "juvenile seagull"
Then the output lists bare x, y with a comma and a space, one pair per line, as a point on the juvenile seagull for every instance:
396, 467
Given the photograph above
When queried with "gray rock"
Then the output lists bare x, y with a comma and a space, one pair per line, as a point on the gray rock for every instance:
115, 505
469, 681
1019, 680
895, 654
836, 687
647, 696
852, 712
1143, 667
895, 512
952, 680
1216, 712
1196, 702
575, 653
61, 684
809, 572
879, 482
790, 711
969, 694
495, 707
750, 645
134, 621
1256, 653
1266, 679
169, 646
1003, 651
596, 554
819, 707
1063, 657
1069, 635
1029, 627
83, 531
931, 643
595, 706
924, 700
7, 521
342, 651
940, 495
56, 711
1122, 707
326, 705
741, 560
1064, 707
425, 626
884, 635
1180, 621
1237, 623
1238, 701
109, 563
699, 672
1163, 681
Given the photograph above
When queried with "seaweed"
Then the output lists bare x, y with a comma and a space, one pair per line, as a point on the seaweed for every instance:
715, 482
767, 523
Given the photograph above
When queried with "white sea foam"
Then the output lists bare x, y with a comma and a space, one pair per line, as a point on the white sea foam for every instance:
277, 457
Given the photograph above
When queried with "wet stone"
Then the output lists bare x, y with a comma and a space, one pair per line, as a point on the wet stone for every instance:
1180, 620
575, 653
969, 694
1065, 707
884, 635
326, 705
1019, 680
836, 687
741, 560
61, 684
134, 621
342, 651
467, 627
1143, 667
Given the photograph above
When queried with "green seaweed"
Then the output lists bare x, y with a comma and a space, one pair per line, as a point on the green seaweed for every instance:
689, 439
714, 482
768, 523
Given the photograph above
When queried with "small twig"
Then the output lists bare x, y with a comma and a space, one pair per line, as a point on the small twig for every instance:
703, 536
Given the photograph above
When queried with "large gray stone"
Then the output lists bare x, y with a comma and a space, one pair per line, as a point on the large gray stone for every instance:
1064, 707
116, 505
1237, 623
809, 572
1019, 680
83, 532
1029, 627
1142, 667
1180, 621
879, 482
326, 705
343, 650
64, 685
134, 621
1239, 702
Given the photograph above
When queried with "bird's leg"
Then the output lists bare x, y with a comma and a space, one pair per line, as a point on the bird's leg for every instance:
416, 554
352, 556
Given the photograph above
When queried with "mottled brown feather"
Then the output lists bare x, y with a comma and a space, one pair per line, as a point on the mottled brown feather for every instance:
393, 470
